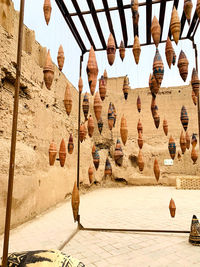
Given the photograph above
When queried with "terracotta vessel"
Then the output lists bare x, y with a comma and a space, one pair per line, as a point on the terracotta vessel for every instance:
96, 158
194, 155
105, 75
118, 154
139, 127
194, 237
47, 10
172, 147
52, 153
115, 114
194, 140
198, 8
60, 58
111, 49
169, 52
179, 155
97, 106
85, 105
80, 85
172, 208
158, 67
182, 142
175, 25
102, 88
136, 49
75, 202
126, 87
140, 140
156, 170
183, 65
140, 161
122, 50
48, 71
68, 100
123, 130
153, 85
108, 168
174, 58
111, 117
188, 9
100, 125
135, 13
90, 126
156, 118
62, 153
187, 138
91, 174
184, 118
138, 104
153, 105
93, 150
92, 71
165, 127
70, 144
85, 130
194, 98
155, 31
195, 82
82, 132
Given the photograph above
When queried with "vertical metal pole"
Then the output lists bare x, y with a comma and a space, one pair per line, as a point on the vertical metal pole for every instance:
13, 140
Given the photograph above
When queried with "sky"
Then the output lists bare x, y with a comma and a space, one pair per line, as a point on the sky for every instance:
57, 32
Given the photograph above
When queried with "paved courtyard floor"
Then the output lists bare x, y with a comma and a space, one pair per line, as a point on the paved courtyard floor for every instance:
126, 207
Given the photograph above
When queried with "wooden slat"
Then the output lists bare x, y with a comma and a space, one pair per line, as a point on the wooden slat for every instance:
176, 2
183, 20
148, 20
162, 16
123, 21
192, 25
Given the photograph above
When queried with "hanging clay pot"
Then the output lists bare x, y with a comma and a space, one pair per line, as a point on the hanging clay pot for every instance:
70, 144
111, 49
90, 126
187, 138
47, 10
92, 71
188, 9
165, 127
154, 107
85, 131
60, 58
68, 100
194, 237
62, 153
91, 174
140, 161
118, 154
179, 155
174, 58
138, 104
105, 75
82, 132
139, 127
100, 125
194, 155
108, 168
75, 202
172, 208
102, 88
122, 50
93, 150
169, 52
156, 170
153, 85
172, 147
194, 98
135, 13
97, 106
158, 67
111, 117
136, 49
175, 25
124, 130
198, 8
80, 85
85, 105
52, 153
184, 118
183, 65
126, 87
194, 140
182, 142
140, 140
115, 113
156, 118
96, 159
195, 82
48, 71
155, 31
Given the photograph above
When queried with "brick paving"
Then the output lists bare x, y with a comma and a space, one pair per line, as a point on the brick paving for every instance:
127, 207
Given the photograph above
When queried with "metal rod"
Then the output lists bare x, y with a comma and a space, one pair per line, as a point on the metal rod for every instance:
68, 239
13, 140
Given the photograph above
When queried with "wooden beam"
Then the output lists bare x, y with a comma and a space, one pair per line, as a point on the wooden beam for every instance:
192, 25
123, 21
148, 20
162, 16
183, 20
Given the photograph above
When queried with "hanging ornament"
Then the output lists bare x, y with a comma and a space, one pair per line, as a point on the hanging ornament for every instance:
184, 118
172, 147
75, 202
97, 106
194, 155
85, 105
140, 140
198, 8
111, 117
182, 142
153, 85
187, 138
93, 150
174, 58
85, 131
158, 68
135, 13
102, 88
105, 75
62, 153
194, 237
115, 113
90, 126
108, 168
118, 154
194, 98
52, 153
82, 132
96, 158
165, 127
169, 52
194, 140
70, 144
188, 9
154, 107
156, 119
122, 50
183, 65
175, 25
179, 155
60, 58
80, 85
139, 127
155, 31
126, 87
156, 170
111, 49
195, 82
92, 71
48, 71
100, 125
68, 100
123, 130
138, 104
47, 10
172, 208
140, 161
91, 174
136, 49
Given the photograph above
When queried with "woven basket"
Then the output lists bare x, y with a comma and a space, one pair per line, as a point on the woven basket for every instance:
188, 183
